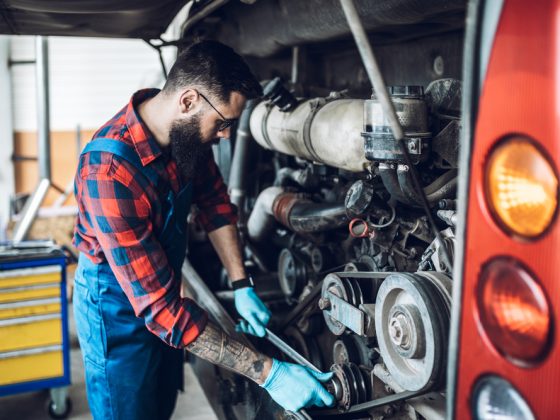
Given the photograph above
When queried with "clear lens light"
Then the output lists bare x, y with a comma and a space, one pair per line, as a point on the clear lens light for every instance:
521, 187
514, 311
496, 399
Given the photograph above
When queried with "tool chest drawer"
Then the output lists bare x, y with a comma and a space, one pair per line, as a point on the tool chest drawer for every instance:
28, 332
30, 283
31, 365
25, 320
50, 274
29, 308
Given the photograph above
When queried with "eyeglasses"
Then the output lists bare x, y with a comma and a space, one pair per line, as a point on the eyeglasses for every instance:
224, 123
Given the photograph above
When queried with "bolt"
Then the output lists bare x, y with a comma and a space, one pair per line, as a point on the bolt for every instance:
399, 331
324, 304
439, 65
412, 146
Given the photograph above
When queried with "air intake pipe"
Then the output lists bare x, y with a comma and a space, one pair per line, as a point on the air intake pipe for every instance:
318, 130
294, 211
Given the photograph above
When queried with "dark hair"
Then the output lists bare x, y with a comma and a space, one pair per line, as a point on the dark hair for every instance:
214, 67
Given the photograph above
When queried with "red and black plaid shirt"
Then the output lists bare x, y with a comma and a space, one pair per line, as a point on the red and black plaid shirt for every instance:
119, 218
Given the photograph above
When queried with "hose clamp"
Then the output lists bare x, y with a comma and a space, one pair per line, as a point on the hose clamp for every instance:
264, 125
315, 105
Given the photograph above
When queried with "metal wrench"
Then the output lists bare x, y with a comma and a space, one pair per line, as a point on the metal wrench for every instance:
289, 351
296, 357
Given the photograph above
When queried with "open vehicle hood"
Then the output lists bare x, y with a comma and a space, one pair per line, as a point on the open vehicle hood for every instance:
104, 18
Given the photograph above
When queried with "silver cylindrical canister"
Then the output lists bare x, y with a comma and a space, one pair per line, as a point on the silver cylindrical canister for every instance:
327, 132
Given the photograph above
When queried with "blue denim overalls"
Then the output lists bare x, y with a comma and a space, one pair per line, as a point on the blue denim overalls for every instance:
130, 373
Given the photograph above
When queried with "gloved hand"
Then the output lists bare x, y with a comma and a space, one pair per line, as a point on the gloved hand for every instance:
253, 310
294, 387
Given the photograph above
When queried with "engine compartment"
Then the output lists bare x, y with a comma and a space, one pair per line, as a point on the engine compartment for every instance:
332, 225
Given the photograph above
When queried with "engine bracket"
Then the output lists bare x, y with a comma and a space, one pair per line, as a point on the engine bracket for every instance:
345, 313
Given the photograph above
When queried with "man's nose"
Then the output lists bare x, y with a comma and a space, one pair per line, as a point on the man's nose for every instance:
225, 134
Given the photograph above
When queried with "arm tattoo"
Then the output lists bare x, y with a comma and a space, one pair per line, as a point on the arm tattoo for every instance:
215, 346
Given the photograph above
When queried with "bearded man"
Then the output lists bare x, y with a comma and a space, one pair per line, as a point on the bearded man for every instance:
134, 185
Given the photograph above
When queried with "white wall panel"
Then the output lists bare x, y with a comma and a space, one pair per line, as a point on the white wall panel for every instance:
91, 79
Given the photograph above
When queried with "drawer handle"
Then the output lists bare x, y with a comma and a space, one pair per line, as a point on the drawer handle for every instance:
30, 352
26, 303
31, 287
25, 272
29, 319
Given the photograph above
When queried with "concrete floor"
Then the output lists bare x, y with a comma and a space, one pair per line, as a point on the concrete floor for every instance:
191, 404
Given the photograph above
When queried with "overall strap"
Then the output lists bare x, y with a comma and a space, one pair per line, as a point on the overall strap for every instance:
124, 151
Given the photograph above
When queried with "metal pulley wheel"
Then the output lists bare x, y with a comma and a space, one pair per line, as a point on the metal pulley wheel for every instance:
412, 314
351, 348
347, 385
292, 274
346, 289
442, 282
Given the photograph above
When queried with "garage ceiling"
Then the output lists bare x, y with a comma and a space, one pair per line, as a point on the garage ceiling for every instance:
103, 18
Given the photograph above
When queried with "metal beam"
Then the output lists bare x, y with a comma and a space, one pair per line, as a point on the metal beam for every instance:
43, 111
32, 205
7, 183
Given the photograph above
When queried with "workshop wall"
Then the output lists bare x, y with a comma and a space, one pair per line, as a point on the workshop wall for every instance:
64, 152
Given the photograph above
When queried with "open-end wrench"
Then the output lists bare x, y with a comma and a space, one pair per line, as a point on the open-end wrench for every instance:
289, 351
296, 357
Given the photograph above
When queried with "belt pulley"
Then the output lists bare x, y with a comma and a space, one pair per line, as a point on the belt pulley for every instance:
412, 314
348, 385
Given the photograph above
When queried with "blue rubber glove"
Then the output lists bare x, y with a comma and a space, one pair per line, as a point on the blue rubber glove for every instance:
245, 328
295, 387
253, 310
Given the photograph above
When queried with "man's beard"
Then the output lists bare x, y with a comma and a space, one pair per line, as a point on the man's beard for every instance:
187, 147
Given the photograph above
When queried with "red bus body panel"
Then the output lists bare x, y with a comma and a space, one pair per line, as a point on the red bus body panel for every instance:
520, 94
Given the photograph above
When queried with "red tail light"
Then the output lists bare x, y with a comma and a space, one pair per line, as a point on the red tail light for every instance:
513, 311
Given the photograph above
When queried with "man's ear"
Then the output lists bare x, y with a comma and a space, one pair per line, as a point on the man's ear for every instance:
188, 101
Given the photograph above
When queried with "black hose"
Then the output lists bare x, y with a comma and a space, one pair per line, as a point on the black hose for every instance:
309, 217
238, 172
442, 187
447, 190
390, 181
406, 185
441, 181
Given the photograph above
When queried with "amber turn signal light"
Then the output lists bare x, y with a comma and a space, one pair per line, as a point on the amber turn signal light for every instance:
521, 187
513, 310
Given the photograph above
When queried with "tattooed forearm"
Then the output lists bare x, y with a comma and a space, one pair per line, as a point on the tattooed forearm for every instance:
217, 347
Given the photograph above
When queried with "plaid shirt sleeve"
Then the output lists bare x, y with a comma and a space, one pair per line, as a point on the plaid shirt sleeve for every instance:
211, 197
115, 205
